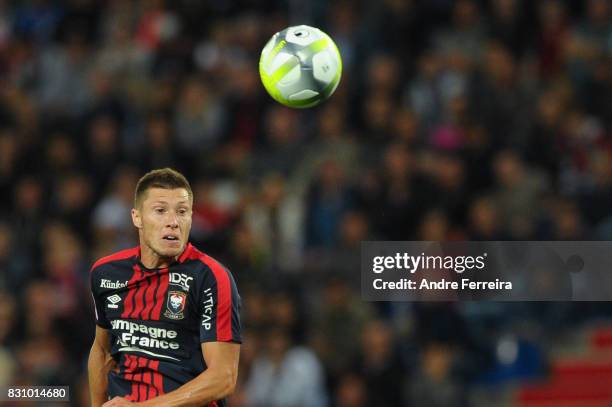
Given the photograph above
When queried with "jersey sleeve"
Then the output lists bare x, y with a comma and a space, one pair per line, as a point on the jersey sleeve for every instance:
219, 307
94, 279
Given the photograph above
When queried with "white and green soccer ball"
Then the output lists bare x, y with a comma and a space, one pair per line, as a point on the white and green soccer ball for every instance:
300, 66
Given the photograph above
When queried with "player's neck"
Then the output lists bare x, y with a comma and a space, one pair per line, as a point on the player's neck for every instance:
152, 260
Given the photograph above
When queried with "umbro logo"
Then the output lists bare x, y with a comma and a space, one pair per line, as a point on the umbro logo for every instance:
113, 300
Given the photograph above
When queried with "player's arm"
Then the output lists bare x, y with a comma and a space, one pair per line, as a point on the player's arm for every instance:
216, 382
99, 364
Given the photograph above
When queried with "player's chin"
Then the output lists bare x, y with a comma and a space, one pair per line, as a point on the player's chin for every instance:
172, 250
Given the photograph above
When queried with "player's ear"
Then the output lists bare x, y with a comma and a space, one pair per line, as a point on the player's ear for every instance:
136, 219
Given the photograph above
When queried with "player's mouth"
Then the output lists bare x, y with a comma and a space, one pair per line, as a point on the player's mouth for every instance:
172, 239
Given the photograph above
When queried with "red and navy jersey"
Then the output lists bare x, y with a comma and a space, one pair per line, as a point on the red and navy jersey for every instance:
158, 318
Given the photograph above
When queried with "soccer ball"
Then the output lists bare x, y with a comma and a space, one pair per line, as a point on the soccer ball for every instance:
300, 66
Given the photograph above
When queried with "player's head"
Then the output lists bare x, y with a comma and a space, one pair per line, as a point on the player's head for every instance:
162, 211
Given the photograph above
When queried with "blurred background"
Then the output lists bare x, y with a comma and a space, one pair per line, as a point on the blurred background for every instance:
473, 120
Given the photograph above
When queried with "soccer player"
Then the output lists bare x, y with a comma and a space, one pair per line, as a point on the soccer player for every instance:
167, 315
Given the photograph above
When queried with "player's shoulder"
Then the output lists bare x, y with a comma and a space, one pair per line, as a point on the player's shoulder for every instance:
119, 256
204, 262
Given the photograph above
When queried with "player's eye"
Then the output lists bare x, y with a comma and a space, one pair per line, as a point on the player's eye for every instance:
159, 210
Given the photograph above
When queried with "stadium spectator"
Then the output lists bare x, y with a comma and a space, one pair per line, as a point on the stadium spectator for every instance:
285, 375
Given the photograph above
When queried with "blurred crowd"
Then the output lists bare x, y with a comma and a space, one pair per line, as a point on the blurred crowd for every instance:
454, 120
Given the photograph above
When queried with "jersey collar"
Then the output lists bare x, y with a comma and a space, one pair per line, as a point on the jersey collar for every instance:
186, 255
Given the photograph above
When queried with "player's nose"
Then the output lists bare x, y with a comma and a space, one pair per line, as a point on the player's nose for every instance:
172, 220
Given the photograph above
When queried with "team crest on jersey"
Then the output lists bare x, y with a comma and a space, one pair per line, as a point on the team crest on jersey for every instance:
175, 306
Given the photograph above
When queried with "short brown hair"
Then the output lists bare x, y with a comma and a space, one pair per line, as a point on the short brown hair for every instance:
165, 178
